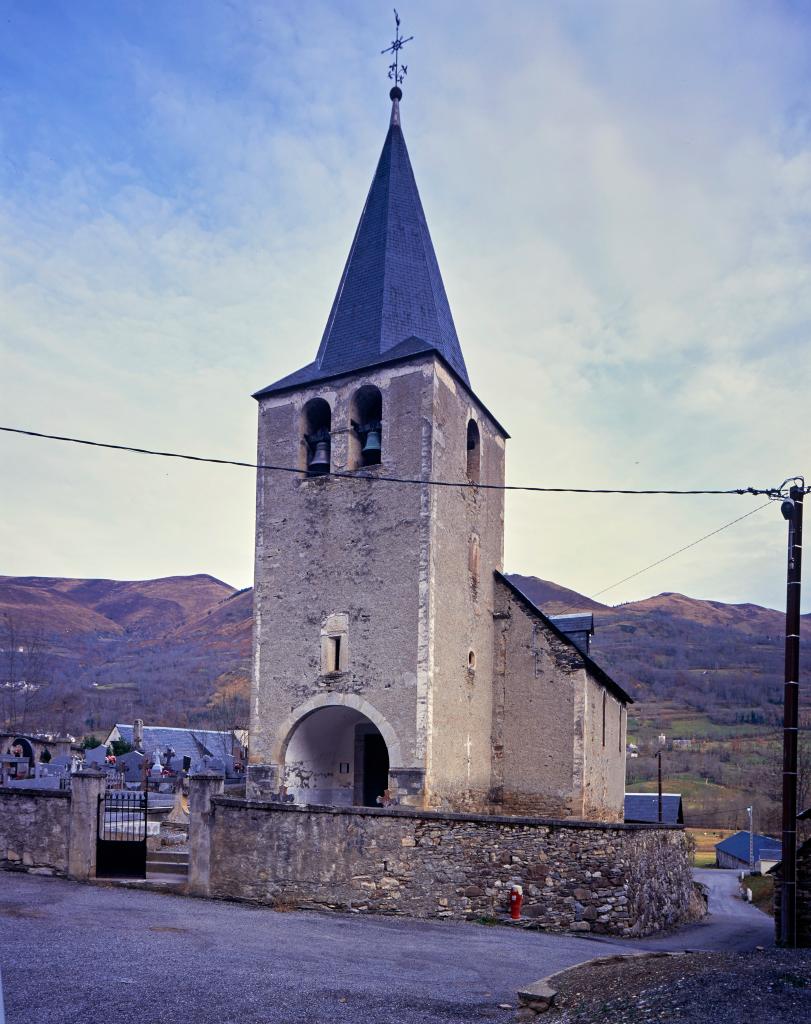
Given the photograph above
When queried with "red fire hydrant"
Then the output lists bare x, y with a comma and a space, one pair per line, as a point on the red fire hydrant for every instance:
516, 899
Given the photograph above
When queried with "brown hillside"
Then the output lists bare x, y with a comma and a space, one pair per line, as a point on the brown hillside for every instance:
746, 618
229, 624
38, 609
553, 598
161, 649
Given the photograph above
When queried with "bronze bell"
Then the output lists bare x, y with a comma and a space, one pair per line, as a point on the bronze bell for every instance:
319, 461
371, 446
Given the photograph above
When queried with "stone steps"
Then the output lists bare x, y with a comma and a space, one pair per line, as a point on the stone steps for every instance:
168, 862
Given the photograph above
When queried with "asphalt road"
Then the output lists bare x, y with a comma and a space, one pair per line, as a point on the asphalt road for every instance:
82, 953
731, 926
78, 953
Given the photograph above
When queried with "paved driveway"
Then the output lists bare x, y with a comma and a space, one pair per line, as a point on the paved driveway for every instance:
732, 925
81, 953
78, 953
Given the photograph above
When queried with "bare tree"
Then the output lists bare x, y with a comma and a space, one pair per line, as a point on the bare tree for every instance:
24, 675
227, 712
774, 770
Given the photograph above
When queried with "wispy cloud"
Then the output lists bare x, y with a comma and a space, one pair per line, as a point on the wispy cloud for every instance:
620, 198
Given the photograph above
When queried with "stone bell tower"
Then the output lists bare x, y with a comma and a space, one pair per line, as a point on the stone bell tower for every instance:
374, 598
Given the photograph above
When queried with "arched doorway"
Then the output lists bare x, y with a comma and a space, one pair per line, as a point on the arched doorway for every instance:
21, 744
337, 756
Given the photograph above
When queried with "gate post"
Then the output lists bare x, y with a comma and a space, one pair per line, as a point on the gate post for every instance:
85, 790
202, 787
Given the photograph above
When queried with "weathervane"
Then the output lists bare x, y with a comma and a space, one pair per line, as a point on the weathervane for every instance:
397, 72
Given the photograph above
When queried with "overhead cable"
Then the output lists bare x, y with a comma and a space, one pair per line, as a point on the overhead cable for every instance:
685, 548
380, 478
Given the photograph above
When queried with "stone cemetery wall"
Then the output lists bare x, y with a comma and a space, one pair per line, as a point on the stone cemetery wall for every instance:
34, 830
577, 876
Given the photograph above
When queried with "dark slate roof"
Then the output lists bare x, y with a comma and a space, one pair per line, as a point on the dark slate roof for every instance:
577, 623
599, 673
738, 846
391, 301
193, 743
644, 807
578, 627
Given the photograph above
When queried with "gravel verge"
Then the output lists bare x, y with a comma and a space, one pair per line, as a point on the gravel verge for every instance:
771, 986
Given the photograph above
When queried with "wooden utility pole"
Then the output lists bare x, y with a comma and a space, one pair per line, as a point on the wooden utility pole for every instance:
792, 509
659, 755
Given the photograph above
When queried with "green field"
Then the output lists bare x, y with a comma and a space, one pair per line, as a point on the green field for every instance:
705, 840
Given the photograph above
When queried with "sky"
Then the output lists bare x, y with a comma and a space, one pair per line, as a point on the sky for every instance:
619, 194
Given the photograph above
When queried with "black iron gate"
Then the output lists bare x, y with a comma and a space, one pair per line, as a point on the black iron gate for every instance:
121, 835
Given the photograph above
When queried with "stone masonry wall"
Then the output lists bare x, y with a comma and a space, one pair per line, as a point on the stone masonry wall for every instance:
551, 754
583, 877
327, 547
461, 592
34, 830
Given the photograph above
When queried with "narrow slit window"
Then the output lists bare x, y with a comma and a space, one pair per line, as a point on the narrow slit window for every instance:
333, 654
603, 718
473, 452
334, 644
474, 559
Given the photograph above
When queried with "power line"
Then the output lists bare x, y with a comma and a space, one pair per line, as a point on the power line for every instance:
685, 548
771, 491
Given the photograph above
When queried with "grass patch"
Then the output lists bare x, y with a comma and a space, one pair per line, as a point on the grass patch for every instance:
762, 887
705, 840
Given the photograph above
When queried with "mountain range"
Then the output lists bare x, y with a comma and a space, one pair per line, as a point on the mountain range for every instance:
174, 650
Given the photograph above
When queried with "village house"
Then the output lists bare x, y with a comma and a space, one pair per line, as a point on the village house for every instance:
186, 748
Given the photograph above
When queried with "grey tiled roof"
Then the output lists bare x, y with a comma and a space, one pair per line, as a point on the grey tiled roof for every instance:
391, 300
762, 846
193, 743
644, 807
577, 627
576, 623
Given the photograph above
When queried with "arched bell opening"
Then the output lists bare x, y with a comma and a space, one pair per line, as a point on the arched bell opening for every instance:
366, 440
338, 757
316, 429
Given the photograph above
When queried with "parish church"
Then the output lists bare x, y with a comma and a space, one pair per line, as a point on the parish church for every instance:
393, 661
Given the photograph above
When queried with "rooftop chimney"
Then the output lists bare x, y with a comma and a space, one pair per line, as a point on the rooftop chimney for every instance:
138, 734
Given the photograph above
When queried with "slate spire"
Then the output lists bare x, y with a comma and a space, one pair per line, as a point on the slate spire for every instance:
391, 290
390, 301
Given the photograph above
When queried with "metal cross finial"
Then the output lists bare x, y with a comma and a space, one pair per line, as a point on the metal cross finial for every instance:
397, 72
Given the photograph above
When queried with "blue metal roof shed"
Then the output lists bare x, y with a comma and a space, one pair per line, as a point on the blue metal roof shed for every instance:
643, 808
737, 848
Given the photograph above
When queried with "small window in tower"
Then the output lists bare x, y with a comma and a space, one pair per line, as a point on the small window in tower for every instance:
471, 661
335, 654
366, 440
317, 436
334, 644
473, 452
